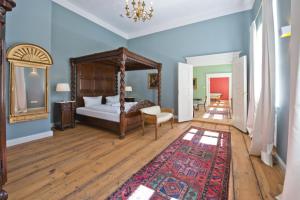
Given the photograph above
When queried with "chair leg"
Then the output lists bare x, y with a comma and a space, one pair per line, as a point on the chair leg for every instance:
156, 127
172, 122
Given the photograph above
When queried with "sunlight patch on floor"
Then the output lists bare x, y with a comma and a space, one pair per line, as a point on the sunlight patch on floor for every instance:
209, 140
142, 192
211, 133
193, 130
188, 136
206, 116
218, 117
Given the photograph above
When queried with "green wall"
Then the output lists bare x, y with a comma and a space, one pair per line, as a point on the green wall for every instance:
200, 74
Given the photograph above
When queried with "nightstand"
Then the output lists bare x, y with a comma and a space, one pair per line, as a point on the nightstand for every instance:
64, 115
129, 99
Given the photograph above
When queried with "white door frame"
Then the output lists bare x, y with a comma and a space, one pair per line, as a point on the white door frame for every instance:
218, 75
213, 60
185, 92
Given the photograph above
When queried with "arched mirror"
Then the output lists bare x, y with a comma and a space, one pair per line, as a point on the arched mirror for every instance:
29, 67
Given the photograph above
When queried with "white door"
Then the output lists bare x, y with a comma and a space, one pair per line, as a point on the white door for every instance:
185, 92
239, 93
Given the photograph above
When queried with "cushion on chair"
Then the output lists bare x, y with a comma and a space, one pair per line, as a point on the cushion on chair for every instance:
154, 110
164, 117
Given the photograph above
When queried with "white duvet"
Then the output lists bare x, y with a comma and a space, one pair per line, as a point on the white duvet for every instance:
113, 108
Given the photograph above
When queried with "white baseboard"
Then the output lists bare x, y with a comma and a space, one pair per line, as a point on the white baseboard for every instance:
280, 162
29, 138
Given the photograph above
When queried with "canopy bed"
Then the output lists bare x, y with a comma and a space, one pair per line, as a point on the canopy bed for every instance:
97, 75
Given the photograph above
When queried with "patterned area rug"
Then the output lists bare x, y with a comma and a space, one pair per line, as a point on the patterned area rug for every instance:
195, 166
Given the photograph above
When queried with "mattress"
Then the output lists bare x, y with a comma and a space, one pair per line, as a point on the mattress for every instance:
90, 112
104, 111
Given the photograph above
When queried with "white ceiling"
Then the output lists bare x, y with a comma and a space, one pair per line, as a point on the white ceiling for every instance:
167, 13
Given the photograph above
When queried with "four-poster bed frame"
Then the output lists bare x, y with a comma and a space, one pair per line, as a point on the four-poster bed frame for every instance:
97, 75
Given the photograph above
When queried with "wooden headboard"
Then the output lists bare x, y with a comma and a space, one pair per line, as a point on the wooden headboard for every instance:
93, 79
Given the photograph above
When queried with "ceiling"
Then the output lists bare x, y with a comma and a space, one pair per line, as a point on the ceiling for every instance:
167, 13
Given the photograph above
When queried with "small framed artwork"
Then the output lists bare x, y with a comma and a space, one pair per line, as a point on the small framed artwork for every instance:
195, 83
153, 81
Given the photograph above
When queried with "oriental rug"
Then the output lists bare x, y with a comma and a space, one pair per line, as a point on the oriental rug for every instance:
195, 166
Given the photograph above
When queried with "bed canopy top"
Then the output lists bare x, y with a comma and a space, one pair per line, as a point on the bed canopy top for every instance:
133, 61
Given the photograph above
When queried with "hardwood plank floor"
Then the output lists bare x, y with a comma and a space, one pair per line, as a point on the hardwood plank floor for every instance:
89, 163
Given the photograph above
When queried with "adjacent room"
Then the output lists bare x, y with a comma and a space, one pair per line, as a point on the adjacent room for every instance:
212, 93
149, 99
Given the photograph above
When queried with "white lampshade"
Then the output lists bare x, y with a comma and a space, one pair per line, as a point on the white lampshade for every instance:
128, 89
62, 87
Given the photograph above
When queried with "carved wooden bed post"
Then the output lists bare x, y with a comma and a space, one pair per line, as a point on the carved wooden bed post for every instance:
5, 6
123, 122
159, 85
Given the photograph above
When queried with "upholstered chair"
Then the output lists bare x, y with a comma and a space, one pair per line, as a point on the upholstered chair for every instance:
157, 116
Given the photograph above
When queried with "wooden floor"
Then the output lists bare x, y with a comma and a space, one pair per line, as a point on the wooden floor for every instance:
88, 163
203, 116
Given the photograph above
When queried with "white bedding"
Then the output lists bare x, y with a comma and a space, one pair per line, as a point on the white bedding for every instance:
104, 111
115, 117
114, 108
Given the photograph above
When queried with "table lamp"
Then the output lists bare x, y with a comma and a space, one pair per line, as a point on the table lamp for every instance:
128, 89
63, 87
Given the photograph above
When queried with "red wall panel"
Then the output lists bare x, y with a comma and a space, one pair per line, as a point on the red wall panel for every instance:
220, 85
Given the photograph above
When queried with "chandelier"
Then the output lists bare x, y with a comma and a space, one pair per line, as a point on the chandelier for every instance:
139, 11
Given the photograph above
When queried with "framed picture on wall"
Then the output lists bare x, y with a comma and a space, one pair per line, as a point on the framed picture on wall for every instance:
152, 80
195, 83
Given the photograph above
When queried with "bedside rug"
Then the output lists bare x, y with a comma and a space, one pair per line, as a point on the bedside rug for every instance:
195, 166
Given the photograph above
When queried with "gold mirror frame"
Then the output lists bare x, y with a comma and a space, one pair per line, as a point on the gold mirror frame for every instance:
33, 56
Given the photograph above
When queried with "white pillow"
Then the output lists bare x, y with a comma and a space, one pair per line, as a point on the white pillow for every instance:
92, 101
112, 99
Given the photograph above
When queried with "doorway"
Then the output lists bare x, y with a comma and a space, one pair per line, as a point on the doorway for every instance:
213, 93
220, 88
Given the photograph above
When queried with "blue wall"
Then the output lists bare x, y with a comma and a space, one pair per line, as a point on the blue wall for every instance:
284, 12
223, 34
63, 34
29, 25
73, 36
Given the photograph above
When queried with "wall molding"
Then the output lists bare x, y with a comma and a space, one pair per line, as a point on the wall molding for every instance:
159, 27
213, 59
29, 138
281, 163
189, 20
70, 6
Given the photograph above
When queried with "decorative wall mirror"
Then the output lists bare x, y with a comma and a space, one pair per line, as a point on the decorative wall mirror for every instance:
29, 68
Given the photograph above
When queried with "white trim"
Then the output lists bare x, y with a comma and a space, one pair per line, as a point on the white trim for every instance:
72, 7
214, 59
29, 138
154, 29
217, 75
189, 20
281, 163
